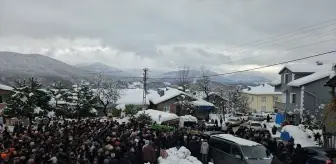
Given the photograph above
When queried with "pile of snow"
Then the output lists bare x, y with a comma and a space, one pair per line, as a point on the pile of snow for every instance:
159, 116
262, 89
299, 136
180, 156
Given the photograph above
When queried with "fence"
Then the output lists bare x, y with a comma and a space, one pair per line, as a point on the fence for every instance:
329, 140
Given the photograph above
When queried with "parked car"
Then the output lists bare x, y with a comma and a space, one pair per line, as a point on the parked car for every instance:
255, 125
320, 155
234, 121
257, 117
242, 116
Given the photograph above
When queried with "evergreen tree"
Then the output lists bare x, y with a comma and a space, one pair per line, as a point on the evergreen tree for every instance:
85, 101
29, 100
60, 97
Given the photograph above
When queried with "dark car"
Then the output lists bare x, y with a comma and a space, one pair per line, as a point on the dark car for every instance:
208, 134
320, 155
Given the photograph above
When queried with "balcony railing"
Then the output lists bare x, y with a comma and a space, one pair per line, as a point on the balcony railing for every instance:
289, 107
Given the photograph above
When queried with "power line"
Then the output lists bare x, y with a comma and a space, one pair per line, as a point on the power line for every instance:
293, 48
289, 32
280, 63
333, 31
252, 69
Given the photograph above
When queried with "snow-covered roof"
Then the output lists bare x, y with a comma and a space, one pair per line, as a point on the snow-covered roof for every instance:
131, 96
159, 116
264, 89
237, 140
6, 87
306, 68
310, 78
168, 94
201, 102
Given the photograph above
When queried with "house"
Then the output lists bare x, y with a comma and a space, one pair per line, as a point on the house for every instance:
131, 97
5, 92
166, 99
330, 117
262, 98
302, 88
218, 100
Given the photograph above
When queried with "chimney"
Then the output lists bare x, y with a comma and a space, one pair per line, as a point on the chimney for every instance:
319, 63
160, 92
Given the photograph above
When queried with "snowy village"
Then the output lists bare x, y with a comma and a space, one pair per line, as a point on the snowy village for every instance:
259, 120
167, 82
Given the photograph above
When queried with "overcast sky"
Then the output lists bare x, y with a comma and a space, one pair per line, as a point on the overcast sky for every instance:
167, 34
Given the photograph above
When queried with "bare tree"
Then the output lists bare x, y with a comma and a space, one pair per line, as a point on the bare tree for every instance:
183, 79
107, 92
204, 83
237, 101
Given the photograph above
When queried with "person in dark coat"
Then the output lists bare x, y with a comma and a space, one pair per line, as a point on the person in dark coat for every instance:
299, 155
268, 118
274, 130
221, 121
149, 155
194, 147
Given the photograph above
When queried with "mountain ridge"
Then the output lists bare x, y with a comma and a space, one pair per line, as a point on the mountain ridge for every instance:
16, 65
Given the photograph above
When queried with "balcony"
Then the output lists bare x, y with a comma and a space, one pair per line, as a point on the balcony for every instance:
289, 107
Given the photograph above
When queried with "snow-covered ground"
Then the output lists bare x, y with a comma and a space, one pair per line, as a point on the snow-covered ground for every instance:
269, 126
180, 156
299, 135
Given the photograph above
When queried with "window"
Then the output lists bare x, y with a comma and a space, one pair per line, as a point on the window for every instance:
293, 98
255, 152
283, 97
263, 99
263, 108
251, 98
166, 108
1, 101
236, 151
275, 99
286, 78
220, 145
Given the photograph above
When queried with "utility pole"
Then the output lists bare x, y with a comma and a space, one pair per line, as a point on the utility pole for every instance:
145, 78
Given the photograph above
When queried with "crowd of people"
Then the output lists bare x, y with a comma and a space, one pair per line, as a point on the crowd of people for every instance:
109, 142
85, 142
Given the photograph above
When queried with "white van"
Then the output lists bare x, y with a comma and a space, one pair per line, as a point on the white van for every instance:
187, 121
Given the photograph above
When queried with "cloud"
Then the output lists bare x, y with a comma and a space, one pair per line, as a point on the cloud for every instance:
161, 34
